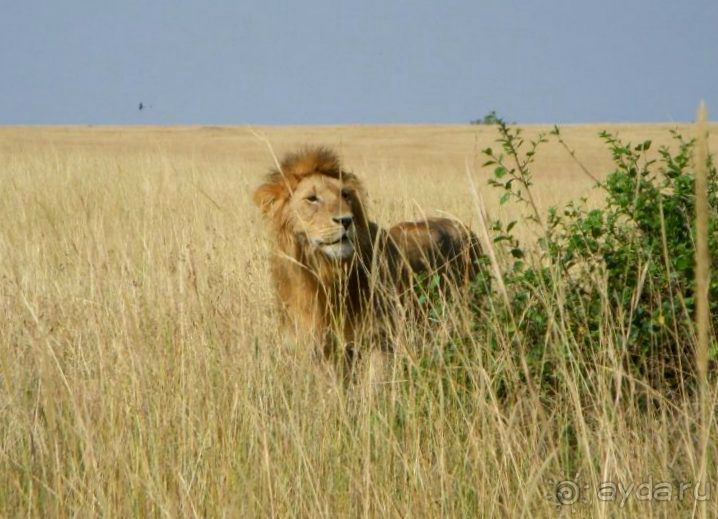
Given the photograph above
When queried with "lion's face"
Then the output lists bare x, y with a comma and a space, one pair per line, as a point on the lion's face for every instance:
321, 213
315, 207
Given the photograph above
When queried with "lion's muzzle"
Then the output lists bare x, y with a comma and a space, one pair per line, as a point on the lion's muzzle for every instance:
340, 245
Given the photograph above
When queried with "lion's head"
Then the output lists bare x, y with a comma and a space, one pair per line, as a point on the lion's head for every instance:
312, 200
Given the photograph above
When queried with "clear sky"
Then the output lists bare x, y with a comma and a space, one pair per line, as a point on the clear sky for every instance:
370, 61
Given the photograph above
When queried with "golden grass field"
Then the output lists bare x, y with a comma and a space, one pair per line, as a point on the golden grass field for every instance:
142, 370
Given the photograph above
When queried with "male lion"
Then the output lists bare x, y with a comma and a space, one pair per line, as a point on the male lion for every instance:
335, 272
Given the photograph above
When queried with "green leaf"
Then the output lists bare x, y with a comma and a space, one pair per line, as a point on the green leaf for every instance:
644, 146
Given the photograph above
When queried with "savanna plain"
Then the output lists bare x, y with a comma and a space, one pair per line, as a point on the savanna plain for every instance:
143, 371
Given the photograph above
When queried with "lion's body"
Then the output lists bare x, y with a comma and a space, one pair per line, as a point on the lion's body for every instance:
437, 245
335, 272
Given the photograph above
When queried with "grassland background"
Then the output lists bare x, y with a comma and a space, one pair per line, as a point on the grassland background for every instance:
142, 369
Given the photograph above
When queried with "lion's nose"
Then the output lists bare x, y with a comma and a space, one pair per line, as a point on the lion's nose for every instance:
346, 220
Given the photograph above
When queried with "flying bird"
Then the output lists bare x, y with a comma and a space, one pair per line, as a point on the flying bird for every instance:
141, 107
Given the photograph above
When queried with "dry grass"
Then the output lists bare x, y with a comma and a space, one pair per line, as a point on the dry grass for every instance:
142, 371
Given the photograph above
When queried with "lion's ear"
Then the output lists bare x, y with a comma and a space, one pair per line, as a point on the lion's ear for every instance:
268, 197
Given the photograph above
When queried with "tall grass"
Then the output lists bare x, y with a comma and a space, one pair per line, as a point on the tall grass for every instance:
143, 372
703, 287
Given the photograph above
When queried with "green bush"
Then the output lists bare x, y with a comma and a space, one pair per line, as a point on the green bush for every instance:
620, 272
489, 119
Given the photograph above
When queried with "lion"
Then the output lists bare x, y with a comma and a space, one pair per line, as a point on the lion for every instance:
335, 272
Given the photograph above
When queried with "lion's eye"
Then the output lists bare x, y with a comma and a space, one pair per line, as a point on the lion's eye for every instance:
346, 194
312, 199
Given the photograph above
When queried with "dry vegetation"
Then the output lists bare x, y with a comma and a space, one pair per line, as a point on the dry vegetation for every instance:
142, 371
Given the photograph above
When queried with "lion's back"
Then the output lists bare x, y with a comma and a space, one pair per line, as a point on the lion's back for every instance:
438, 245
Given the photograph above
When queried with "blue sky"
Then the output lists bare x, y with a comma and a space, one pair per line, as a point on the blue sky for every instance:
332, 61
